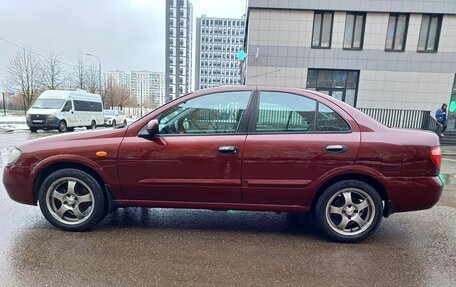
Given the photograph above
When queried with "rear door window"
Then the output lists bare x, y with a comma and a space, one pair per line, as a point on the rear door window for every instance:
281, 112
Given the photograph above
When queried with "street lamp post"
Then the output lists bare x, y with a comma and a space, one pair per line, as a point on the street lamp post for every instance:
99, 70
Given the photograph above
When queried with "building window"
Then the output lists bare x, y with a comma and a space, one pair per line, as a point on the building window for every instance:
340, 84
322, 30
354, 31
430, 33
397, 32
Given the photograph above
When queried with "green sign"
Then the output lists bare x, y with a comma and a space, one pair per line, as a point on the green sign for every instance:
452, 106
241, 55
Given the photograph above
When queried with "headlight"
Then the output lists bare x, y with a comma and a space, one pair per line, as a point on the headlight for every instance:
14, 156
51, 115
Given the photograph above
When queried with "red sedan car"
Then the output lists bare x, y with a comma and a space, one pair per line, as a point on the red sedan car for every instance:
244, 148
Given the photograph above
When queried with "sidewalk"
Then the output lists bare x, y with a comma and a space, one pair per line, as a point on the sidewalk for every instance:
449, 151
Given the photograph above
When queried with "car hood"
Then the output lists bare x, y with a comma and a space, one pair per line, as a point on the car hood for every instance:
74, 139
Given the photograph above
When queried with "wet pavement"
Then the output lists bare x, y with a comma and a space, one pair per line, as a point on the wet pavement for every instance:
166, 247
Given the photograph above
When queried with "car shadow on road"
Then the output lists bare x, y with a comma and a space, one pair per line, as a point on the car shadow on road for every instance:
208, 220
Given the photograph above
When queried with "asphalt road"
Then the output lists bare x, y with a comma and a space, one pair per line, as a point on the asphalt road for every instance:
165, 247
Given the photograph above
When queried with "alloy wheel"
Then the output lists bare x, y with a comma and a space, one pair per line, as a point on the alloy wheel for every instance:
350, 211
70, 200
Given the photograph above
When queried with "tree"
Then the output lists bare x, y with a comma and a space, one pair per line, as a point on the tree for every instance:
24, 75
52, 72
80, 74
92, 79
117, 95
124, 98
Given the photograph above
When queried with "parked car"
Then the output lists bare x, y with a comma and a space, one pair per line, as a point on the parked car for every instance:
65, 110
114, 117
235, 148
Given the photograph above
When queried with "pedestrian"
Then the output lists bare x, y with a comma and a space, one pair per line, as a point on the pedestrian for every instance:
441, 117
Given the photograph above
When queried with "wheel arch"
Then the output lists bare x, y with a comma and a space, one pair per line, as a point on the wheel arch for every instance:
50, 168
375, 183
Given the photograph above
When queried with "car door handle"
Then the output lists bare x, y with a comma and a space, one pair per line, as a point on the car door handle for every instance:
336, 148
228, 149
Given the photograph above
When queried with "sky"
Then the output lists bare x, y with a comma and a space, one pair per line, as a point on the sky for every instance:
124, 34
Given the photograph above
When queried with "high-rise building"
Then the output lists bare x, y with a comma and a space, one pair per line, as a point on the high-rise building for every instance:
369, 54
148, 88
178, 65
217, 42
121, 78
158, 88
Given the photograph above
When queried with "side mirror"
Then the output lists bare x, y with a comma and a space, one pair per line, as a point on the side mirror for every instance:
152, 127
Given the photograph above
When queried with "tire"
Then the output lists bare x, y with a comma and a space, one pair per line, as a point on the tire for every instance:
93, 125
125, 122
349, 211
33, 130
114, 123
72, 200
62, 126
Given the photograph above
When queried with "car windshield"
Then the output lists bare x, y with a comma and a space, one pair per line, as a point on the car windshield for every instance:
48, 104
108, 113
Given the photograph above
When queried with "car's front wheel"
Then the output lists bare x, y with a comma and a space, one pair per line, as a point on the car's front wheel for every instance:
72, 200
62, 126
349, 211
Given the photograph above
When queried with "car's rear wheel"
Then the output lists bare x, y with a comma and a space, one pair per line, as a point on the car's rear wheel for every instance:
72, 200
114, 123
62, 126
349, 211
125, 122
93, 125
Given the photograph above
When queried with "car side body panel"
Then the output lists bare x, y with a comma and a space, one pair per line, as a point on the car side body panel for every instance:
298, 167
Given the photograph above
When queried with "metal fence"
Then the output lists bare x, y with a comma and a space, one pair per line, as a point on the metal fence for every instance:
408, 119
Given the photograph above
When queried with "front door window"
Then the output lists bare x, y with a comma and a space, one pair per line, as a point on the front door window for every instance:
219, 113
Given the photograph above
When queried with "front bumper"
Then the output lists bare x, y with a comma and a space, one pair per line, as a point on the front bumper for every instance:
414, 193
51, 122
19, 184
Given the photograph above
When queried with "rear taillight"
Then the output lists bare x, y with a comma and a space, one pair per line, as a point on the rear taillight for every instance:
436, 155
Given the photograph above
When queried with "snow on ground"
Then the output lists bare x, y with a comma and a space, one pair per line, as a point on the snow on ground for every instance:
10, 123
12, 119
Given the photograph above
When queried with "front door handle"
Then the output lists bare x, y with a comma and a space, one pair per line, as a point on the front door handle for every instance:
336, 148
229, 149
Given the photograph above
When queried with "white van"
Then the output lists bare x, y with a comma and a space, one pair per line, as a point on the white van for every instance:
65, 110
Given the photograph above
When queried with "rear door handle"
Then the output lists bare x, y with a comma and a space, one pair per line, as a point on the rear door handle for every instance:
229, 149
336, 148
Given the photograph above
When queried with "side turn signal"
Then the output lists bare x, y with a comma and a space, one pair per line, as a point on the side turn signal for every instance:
101, 153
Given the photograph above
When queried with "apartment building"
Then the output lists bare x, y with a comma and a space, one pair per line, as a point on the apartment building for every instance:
148, 88
396, 54
121, 78
217, 42
178, 58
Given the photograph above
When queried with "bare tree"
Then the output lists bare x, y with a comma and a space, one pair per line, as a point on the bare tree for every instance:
52, 72
109, 94
80, 74
92, 79
117, 95
124, 98
23, 74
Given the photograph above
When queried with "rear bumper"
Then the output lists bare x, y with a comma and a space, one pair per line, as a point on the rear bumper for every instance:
18, 184
414, 193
